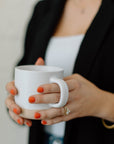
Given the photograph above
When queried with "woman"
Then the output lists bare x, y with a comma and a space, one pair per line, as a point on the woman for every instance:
78, 36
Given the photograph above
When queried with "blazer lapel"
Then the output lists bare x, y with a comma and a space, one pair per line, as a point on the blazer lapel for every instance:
46, 27
89, 50
90, 45
93, 39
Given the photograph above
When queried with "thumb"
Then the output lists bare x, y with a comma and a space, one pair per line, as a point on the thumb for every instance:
40, 61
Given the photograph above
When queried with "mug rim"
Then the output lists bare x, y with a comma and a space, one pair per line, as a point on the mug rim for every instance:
42, 68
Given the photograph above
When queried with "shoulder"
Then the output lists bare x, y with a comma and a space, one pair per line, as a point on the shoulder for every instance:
41, 6
45, 5
49, 5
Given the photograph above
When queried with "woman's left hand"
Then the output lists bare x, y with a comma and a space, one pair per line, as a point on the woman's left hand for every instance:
85, 99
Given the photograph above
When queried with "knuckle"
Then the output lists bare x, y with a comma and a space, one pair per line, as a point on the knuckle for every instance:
12, 115
39, 99
44, 115
74, 82
7, 85
6, 101
51, 122
11, 105
77, 75
77, 83
54, 121
60, 111
60, 119
57, 98
49, 88
9, 112
63, 119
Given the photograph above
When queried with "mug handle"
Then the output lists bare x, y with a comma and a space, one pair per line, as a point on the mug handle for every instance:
64, 92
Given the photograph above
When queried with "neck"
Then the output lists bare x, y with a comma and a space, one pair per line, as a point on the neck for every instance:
85, 1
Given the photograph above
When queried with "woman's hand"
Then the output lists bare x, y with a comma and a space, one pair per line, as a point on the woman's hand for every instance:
15, 110
85, 99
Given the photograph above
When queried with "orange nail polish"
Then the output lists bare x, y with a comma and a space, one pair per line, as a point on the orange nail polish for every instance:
15, 111
37, 115
28, 124
18, 121
40, 90
44, 122
31, 99
40, 58
12, 91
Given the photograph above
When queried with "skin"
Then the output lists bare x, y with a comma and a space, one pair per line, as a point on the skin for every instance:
85, 99
11, 105
73, 21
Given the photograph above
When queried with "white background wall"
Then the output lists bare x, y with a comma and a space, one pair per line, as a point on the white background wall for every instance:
14, 15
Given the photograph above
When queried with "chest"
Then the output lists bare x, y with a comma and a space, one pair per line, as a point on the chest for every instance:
63, 51
76, 19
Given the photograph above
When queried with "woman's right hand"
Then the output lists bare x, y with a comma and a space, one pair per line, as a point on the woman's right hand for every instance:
14, 109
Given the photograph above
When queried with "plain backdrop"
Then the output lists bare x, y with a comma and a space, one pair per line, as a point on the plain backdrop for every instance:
14, 16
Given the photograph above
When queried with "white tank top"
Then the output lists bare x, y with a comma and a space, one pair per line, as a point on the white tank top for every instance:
62, 52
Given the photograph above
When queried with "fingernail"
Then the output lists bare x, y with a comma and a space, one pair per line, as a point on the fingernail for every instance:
31, 99
44, 122
40, 58
18, 121
12, 91
40, 90
37, 115
28, 124
15, 111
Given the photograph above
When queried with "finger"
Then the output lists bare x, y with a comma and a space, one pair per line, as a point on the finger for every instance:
47, 98
50, 113
71, 77
16, 118
11, 105
28, 122
60, 118
10, 87
20, 120
67, 78
40, 61
56, 120
51, 98
53, 113
54, 88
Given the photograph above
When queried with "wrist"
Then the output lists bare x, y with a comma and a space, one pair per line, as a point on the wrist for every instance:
105, 108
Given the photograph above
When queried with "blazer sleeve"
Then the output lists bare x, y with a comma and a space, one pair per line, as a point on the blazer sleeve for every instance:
29, 36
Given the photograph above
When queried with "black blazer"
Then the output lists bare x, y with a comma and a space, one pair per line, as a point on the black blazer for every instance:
95, 62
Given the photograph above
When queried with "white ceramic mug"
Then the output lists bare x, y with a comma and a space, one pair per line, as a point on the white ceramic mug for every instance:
28, 78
